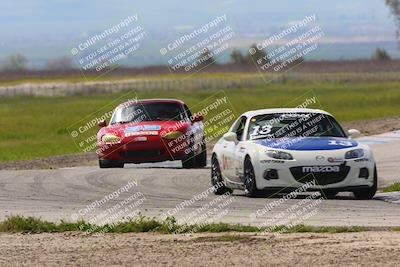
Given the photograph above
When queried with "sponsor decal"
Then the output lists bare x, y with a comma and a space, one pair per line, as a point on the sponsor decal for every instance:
271, 161
320, 158
335, 160
361, 160
307, 169
151, 127
143, 128
141, 133
133, 129
140, 139
294, 116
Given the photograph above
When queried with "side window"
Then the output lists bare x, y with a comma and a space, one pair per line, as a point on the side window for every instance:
239, 127
188, 113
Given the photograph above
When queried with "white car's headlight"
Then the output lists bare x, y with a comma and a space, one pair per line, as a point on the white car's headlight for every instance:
354, 154
279, 154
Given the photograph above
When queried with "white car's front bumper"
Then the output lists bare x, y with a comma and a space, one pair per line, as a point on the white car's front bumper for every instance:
290, 172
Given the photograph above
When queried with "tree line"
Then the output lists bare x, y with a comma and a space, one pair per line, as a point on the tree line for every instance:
18, 62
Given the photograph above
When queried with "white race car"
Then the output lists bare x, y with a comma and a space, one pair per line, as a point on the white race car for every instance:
283, 149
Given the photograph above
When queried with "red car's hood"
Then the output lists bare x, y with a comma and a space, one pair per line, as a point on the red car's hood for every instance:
122, 130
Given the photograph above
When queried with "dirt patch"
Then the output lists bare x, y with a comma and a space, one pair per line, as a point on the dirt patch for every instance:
76, 249
55, 162
226, 238
372, 127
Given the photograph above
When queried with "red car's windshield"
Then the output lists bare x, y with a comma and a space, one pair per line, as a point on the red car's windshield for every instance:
148, 112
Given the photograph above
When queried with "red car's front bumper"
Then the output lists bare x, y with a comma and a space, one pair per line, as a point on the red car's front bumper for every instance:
138, 150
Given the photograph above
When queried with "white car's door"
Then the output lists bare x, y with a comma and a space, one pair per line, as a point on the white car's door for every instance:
227, 164
238, 160
231, 152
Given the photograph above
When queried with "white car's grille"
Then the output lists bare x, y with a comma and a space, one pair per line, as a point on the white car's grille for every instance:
323, 175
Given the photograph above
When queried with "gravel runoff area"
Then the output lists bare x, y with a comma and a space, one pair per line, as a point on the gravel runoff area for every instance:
378, 248
367, 127
377, 126
62, 161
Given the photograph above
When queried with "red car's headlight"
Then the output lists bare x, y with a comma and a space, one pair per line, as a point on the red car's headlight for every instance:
110, 139
172, 135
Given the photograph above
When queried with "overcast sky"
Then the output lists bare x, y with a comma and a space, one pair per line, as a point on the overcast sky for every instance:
46, 28
55, 17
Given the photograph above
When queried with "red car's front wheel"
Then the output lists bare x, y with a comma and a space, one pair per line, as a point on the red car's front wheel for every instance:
110, 164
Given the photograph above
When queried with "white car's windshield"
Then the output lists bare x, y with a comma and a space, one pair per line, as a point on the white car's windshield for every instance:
148, 112
288, 125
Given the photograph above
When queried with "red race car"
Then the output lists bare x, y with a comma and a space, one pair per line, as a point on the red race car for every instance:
152, 130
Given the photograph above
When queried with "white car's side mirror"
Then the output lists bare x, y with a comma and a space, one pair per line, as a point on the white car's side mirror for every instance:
353, 133
230, 137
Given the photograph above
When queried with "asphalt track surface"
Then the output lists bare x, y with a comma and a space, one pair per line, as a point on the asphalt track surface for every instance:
66, 193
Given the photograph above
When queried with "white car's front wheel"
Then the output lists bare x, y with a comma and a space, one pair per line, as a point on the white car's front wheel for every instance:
370, 192
250, 186
329, 194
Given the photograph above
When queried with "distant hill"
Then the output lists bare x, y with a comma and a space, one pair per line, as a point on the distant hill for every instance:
42, 29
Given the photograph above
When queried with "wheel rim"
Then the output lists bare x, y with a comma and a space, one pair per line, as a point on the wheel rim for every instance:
249, 179
215, 175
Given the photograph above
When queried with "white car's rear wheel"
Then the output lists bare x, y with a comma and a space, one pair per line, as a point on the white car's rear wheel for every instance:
216, 178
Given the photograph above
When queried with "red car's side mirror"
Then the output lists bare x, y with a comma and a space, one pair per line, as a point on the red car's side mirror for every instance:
102, 123
197, 118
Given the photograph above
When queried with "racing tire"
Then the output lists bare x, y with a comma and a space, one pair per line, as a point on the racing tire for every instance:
250, 186
201, 159
106, 164
329, 194
190, 161
369, 193
216, 178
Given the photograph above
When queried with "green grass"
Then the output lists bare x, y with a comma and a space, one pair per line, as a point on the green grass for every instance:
287, 77
392, 188
141, 224
34, 127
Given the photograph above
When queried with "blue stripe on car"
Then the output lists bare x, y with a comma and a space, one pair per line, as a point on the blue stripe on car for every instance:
308, 143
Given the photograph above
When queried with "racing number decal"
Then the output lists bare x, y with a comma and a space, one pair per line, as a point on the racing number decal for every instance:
261, 130
341, 143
